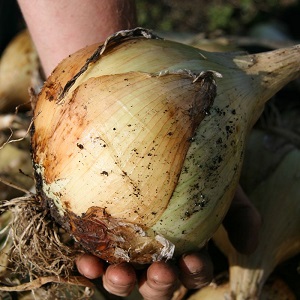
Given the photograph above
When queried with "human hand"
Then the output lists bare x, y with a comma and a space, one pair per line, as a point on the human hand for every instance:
158, 281
194, 270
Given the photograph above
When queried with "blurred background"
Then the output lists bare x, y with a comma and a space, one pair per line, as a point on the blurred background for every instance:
276, 20
219, 17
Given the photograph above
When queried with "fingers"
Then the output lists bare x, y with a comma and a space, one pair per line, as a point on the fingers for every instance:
159, 281
196, 270
119, 279
242, 223
90, 266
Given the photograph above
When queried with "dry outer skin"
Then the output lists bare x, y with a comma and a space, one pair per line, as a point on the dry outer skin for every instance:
79, 138
114, 240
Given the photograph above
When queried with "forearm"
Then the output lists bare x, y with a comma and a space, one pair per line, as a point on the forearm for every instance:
59, 28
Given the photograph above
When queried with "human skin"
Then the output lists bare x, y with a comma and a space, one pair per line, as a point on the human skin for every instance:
61, 27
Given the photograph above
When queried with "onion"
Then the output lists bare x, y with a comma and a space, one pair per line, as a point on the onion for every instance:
135, 152
273, 290
276, 197
18, 65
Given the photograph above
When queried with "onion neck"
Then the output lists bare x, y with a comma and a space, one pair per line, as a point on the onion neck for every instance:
269, 72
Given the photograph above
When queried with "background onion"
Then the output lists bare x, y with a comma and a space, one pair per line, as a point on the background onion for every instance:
19, 65
275, 290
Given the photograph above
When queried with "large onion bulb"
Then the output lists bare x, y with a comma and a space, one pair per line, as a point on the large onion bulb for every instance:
138, 143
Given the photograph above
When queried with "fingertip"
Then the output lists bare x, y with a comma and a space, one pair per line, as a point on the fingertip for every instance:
119, 279
159, 281
196, 270
161, 274
90, 266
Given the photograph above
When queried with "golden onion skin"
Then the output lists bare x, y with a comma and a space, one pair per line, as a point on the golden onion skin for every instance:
156, 139
132, 151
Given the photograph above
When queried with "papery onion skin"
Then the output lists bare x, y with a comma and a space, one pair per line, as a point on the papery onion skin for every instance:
145, 179
114, 142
